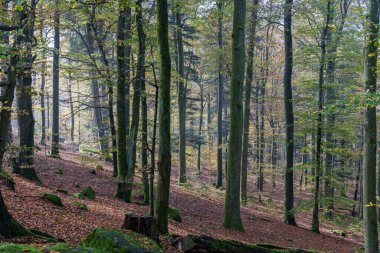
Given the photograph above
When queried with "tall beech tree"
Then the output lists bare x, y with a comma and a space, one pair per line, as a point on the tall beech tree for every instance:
289, 116
55, 124
370, 126
164, 155
120, 114
232, 218
247, 97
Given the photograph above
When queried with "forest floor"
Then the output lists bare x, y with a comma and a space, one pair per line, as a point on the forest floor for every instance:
200, 204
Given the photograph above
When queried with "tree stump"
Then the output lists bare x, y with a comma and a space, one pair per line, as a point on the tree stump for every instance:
146, 225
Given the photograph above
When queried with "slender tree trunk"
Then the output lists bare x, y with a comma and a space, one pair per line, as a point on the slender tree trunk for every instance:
181, 99
55, 123
199, 144
232, 218
164, 155
370, 138
247, 99
219, 180
120, 113
71, 104
289, 117
42, 91
137, 86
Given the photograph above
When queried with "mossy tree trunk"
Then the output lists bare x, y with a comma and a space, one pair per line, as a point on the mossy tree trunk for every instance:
164, 155
370, 137
121, 136
289, 116
219, 179
181, 97
232, 218
55, 124
247, 98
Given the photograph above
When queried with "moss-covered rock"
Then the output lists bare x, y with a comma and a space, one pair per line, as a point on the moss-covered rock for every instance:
81, 205
78, 195
60, 247
175, 214
63, 191
115, 241
194, 244
7, 178
52, 198
88, 192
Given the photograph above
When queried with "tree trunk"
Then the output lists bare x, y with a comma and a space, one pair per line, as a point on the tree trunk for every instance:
232, 218
219, 180
199, 144
289, 117
247, 99
370, 141
181, 100
164, 155
71, 104
120, 113
55, 123
42, 91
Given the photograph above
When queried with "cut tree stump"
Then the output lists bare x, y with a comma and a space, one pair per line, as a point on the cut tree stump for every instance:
145, 225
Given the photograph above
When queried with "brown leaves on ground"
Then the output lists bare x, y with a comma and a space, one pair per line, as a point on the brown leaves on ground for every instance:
201, 208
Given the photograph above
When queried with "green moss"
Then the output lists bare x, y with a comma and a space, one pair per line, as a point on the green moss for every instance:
18, 248
81, 205
78, 195
174, 214
62, 191
115, 241
52, 198
99, 167
7, 178
88, 192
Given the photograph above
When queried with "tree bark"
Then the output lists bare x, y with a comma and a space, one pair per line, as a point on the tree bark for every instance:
164, 155
370, 137
247, 98
289, 116
232, 218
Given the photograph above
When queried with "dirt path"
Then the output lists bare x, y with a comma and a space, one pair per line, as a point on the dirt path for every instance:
201, 207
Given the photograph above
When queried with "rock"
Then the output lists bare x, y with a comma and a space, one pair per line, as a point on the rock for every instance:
88, 192
81, 205
77, 185
115, 241
62, 191
52, 198
78, 195
197, 244
146, 225
174, 214
7, 179
59, 171
93, 172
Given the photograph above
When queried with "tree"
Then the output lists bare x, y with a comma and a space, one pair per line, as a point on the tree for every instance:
232, 218
164, 155
289, 117
247, 98
181, 98
370, 141
219, 179
55, 124
120, 115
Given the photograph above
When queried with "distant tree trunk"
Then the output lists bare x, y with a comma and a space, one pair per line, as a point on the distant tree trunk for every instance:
164, 155
289, 117
232, 218
219, 180
199, 144
370, 141
356, 190
210, 136
247, 99
55, 124
181, 99
120, 113
128, 52
99, 118
42, 91
71, 104
153, 148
